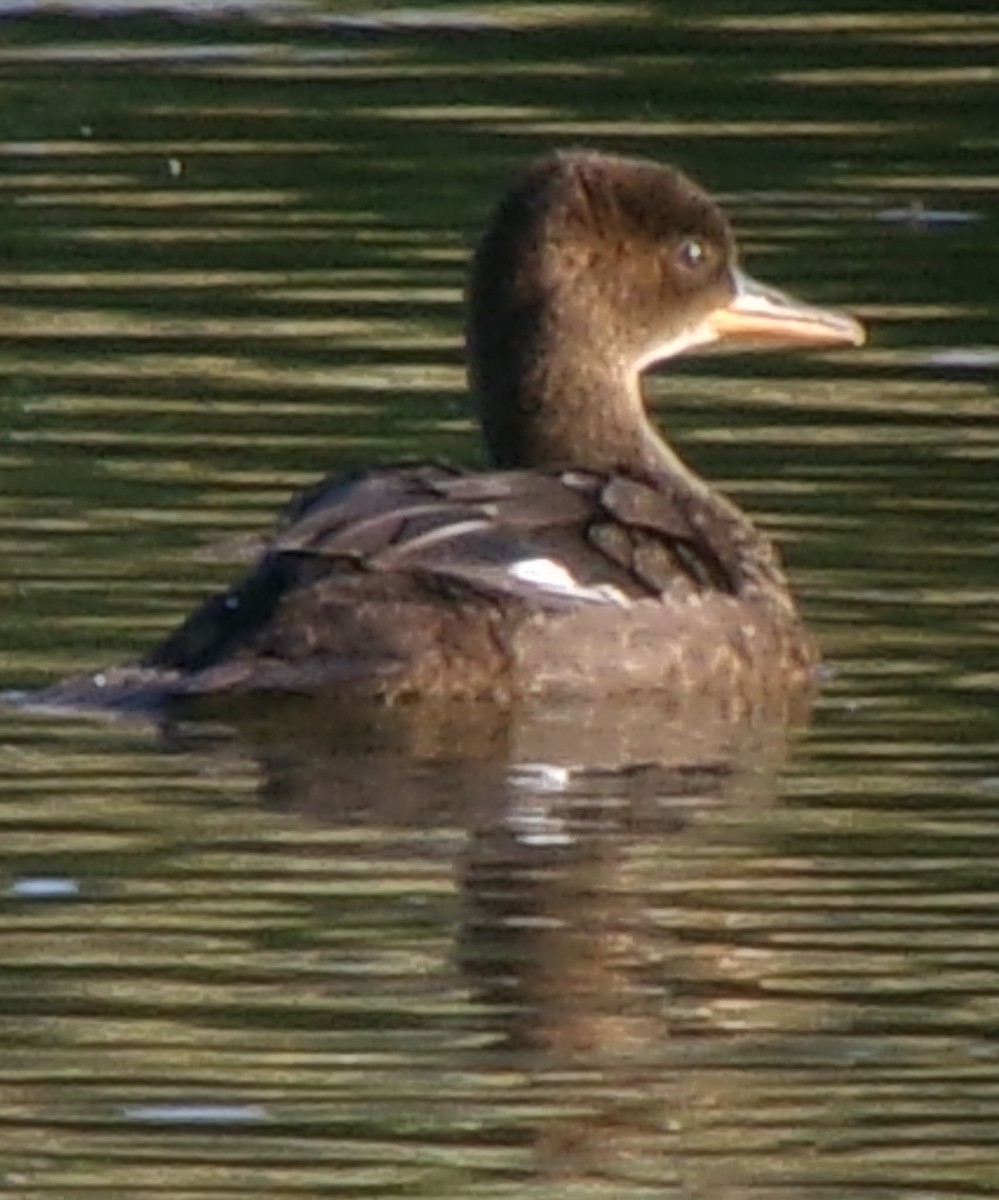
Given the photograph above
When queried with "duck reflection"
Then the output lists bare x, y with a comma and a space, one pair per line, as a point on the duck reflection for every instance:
572, 830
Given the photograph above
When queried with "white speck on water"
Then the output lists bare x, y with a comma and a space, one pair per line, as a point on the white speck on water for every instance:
42, 887
968, 358
540, 777
200, 1113
918, 216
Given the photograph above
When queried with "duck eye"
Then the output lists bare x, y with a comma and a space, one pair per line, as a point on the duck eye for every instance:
692, 253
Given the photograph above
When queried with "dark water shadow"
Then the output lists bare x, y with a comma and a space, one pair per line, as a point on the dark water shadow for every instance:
564, 820
460, 761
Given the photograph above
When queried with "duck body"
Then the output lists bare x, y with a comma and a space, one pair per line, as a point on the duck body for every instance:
589, 557
419, 580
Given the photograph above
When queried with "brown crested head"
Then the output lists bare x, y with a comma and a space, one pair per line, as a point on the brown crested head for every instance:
634, 249
592, 267
589, 266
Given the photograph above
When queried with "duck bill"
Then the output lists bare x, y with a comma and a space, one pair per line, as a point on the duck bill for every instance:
759, 313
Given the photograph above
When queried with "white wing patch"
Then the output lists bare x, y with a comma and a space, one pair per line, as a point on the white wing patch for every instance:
554, 579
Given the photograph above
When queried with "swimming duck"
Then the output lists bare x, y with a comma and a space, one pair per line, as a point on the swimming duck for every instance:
589, 556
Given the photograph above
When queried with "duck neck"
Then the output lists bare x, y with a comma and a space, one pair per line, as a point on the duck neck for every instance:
550, 413
584, 409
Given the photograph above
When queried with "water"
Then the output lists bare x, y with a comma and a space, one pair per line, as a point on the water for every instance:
586, 952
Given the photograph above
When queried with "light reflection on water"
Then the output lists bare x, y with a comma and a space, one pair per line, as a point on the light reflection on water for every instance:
651, 975
603, 951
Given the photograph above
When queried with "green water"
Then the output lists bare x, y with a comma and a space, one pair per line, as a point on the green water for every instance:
306, 958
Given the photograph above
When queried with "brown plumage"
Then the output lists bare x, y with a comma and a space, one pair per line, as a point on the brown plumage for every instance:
590, 557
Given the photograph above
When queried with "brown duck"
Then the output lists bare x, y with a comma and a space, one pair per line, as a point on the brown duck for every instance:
589, 558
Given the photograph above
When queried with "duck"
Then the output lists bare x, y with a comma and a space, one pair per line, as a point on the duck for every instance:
587, 557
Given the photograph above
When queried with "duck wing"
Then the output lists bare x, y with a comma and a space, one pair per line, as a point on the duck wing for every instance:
639, 538
412, 539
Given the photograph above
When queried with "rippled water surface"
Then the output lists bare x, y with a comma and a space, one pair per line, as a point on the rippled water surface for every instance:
594, 950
